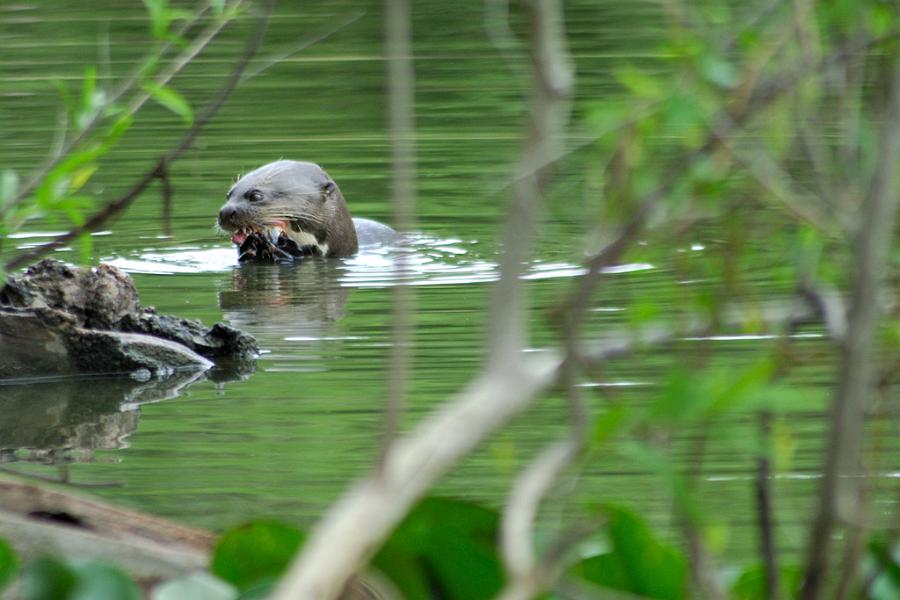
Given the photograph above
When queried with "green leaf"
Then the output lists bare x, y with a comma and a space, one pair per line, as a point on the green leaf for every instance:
640, 83
610, 423
100, 581
717, 70
751, 584
119, 127
197, 586
47, 579
85, 248
255, 552
9, 561
171, 100
92, 99
81, 177
638, 562
444, 548
886, 560
50, 579
9, 186
158, 10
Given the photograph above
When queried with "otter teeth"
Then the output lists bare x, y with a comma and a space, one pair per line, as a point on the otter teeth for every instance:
272, 233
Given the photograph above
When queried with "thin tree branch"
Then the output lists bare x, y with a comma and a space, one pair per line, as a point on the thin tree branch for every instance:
839, 492
765, 513
265, 63
522, 504
401, 122
551, 89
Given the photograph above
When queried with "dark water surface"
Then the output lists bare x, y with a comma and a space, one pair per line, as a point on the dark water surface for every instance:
285, 440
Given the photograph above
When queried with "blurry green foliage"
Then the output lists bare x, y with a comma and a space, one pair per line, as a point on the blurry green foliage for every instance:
252, 556
444, 549
9, 563
637, 561
196, 586
171, 100
51, 579
751, 584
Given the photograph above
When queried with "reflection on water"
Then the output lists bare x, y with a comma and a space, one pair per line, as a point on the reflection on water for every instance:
76, 416
426, 260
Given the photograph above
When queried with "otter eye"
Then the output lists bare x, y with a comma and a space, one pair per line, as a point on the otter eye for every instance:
254, 195
328, 188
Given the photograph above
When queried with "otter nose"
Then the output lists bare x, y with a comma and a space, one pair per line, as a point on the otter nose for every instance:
227, 214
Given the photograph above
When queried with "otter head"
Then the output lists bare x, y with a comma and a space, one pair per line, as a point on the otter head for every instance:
295, 199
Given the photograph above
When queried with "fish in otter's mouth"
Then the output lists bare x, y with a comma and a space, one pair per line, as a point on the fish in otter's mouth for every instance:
271, 244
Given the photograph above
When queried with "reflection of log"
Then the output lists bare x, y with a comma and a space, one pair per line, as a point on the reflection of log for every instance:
79, 414
44, 520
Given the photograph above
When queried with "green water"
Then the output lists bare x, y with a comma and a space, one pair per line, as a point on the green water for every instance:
285, 440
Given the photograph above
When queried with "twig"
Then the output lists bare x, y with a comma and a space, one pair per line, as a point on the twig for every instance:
839, 490
166, 185
269, 61
523, 501
799, 202
496, 25
830, 306
552, 81
551, 88
116, 206
414, 462
548, 570
401, 122
765, 513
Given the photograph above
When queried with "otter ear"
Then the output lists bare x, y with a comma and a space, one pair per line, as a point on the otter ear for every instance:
328, 189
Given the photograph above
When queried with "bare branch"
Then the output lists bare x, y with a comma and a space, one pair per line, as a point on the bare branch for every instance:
265, 63
552, 86
765, 512
523, 501
401, 120
840, 492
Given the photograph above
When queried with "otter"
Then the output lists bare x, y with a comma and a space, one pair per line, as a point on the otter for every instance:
288, 209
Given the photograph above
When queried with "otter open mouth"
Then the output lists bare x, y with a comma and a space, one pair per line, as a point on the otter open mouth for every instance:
271, 230
269, 245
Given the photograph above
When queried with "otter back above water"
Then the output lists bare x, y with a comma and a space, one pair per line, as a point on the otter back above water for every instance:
288, 209
372, 233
